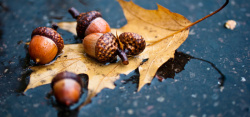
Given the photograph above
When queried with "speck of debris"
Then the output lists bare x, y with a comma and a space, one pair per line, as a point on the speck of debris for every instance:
192, 75
35, 105
160, 99
117, 109
221, 40
242, 91
192, 116
147, 97
215, 96
194, 95
230, 24
243, 79
238, 60
233, 102
122, 88
49, 69
135, 103
6, 70
43, 81
204, 96
204, 115
221, 89
11, 62
208, 68
216, 104
19, 79
130, 111
20, 42
191, 32
123, 81
150, 108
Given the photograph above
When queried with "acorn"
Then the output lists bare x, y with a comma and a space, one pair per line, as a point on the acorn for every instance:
67, 88
45, 44
133, 43
103, 47
89, 22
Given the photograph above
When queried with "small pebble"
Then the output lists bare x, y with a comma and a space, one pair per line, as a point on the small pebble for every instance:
194, 95
135, 103
204, 96
233, 102
117, 109
216, 104
221, 89
6, 70
130, 111
192, 116
35, 105
122, 88
230, 24
160, 99
243, 79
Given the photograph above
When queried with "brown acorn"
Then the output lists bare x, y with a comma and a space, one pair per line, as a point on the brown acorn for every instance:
103, 47
45, 44
133, 43
67, 88
89, 22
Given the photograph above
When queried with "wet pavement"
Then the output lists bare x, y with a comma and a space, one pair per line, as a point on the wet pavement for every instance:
184, 86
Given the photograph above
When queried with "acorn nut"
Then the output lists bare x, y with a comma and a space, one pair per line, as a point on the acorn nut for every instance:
67, 88
45, 44
133, 43
103, 47
89, 22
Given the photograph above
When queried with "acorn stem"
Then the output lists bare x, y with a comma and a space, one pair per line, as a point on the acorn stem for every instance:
37, 60
123, 56
74, 13
54, 26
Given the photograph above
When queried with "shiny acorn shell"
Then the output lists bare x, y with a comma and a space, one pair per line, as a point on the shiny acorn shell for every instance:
51, 34
83, 21
67, 88
66, 75
133, 43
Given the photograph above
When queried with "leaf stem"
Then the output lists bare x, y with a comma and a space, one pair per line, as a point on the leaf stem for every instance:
196, 22
225, 4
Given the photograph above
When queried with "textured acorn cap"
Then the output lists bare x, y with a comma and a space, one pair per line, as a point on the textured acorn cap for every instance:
66, 75
83, 21
106, 48
134, 43
51, 34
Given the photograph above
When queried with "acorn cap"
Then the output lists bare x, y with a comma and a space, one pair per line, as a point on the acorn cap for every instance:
106, 47
83, 21
133, 43
51, 34
66, 75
